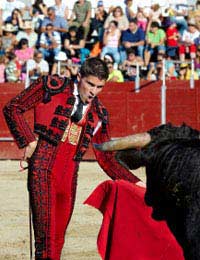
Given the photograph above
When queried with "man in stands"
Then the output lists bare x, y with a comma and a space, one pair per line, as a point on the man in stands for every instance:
59, 22
133, 37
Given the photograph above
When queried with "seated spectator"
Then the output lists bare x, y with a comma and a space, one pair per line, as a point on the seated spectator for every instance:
131, 9
50, 43
172, 38
156, 13
74, 45
129, 66
115, 75
23, 53
111, 40
155, 42
81, 15
59, 23
61, 9
27, 33
37, 66
97, 24
187, 41
2, 69
134, 37
8, 38
38, 7
118, 16
185, 72
12, 70
38, 11
15, 19
141, 21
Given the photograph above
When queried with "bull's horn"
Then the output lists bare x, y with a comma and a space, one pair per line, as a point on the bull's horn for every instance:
127, 142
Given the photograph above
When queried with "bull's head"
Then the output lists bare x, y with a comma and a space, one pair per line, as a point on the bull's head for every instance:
137, 150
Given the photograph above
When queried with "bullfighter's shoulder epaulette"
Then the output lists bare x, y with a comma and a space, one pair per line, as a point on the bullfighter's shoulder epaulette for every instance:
53, 85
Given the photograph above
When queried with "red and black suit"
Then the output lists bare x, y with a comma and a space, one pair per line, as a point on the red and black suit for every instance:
53, 167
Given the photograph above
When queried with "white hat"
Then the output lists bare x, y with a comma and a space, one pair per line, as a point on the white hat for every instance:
61, 56
8, 27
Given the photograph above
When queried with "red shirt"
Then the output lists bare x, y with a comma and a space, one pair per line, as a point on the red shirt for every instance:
171, 42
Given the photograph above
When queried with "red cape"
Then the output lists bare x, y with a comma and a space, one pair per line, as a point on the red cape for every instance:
128, 232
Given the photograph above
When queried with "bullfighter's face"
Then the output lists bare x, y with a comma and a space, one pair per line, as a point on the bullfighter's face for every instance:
89, 87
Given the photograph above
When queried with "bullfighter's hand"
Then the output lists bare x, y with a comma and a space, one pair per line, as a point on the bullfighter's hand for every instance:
29, 150
141, 184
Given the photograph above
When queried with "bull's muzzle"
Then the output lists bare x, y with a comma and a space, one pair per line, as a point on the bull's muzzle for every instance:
124, 143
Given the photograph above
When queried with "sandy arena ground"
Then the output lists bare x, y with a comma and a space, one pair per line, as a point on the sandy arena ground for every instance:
80, 242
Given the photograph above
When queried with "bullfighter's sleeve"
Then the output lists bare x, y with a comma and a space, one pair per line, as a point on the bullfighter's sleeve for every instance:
15, 109
107, 160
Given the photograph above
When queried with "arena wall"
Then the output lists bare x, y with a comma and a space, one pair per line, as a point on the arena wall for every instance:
130, 112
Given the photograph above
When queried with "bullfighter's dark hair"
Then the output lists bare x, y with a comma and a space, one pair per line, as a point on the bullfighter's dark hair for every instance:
94, 67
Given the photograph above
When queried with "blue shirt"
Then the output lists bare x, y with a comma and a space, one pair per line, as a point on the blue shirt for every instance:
128, 36
57, 22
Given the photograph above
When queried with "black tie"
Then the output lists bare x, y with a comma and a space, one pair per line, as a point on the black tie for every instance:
79, 112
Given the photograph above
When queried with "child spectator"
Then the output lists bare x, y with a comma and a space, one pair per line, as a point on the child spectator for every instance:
141, 21
185, 72
115, 75
129, 66
172, 37
2, 69
12, 68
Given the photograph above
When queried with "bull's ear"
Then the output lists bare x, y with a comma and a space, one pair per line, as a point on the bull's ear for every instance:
130, 159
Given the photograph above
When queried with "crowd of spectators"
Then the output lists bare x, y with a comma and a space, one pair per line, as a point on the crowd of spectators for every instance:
36, 39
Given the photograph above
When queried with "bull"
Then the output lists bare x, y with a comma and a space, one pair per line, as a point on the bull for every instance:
171, 155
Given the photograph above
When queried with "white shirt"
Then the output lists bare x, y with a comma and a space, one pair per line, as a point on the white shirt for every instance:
60, 11
31, 65
32, 37
43, 65
190, 36
8, 7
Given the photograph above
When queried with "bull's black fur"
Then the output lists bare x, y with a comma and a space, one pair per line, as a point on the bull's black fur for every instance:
172, 161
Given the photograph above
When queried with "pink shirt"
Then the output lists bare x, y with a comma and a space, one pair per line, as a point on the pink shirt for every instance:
2, 71
113, 40
24, 55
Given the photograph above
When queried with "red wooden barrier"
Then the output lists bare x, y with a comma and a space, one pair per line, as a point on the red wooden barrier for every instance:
130, 112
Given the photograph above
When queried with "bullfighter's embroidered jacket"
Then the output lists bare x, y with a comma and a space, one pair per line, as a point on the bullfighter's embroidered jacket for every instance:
53, 101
